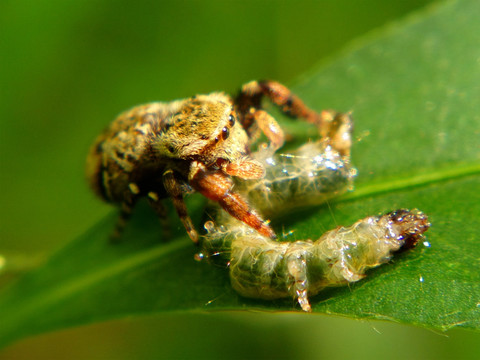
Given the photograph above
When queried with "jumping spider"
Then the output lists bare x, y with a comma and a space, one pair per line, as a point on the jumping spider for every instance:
161, 150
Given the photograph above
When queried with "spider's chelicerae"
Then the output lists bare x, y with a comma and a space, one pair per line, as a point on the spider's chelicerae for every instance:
161, 150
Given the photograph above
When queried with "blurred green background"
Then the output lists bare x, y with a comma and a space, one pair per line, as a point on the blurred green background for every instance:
67, 68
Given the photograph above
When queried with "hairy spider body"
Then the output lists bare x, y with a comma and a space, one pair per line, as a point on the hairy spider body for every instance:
161, 150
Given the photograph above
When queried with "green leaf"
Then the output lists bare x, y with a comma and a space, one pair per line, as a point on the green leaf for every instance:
414, 92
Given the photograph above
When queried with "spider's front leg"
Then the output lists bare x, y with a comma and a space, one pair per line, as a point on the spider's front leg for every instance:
218, 186
244, 168
252, 93
329, 123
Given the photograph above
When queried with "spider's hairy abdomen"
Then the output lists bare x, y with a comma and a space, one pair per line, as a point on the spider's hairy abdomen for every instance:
122, 153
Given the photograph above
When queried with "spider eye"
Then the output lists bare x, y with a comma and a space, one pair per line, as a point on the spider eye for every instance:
225, 133
231, 120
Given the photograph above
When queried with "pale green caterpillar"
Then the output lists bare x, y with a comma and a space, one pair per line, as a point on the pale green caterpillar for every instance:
314, 173
265, 269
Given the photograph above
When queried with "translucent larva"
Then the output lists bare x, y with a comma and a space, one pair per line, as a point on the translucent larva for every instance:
314, 173
265, 269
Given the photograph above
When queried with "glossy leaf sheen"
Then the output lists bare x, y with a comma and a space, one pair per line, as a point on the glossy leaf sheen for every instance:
414, 92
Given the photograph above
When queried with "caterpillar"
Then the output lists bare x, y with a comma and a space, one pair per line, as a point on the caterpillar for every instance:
263, 268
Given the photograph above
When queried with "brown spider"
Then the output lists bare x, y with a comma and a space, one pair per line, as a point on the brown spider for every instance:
164, 150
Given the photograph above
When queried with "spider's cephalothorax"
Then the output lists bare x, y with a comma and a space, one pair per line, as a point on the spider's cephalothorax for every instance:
161, 150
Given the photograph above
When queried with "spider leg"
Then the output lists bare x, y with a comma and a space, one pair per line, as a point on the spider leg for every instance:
245, 168
269, 126
174, 189
280, 95
217, 186
125, 214
337, 126
157, 205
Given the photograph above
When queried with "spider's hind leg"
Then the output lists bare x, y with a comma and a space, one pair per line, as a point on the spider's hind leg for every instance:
123, 218
159, 208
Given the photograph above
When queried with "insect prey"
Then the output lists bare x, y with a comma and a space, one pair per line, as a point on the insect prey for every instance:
265, 269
